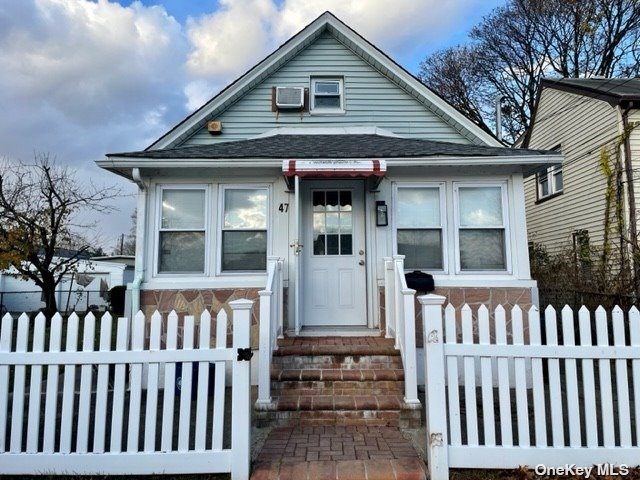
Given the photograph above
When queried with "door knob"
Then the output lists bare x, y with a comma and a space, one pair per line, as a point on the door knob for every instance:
361, 252
361, 262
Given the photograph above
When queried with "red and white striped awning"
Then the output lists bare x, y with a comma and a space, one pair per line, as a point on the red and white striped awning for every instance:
334, 168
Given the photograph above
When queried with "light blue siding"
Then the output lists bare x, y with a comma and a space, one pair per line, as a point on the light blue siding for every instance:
371, 99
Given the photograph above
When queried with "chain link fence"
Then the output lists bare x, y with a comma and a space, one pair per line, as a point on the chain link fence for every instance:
76, 300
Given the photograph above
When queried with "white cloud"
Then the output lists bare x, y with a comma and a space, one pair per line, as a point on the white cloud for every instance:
232, 38
198, 92
388, 25
229, 41
90, 64
80, 79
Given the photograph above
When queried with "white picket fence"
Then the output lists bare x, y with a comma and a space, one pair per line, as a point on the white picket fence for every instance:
501, 398
123, 420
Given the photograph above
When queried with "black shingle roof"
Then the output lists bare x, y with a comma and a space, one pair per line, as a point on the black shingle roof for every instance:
330, 146
612, 89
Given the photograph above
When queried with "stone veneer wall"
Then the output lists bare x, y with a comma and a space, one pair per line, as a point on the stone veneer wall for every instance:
474, 297
195, 301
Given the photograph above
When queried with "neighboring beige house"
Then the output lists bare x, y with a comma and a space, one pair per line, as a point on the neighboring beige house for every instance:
578, 117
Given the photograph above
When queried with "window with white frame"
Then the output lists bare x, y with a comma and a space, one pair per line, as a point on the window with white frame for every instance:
244, 229
481, 227
549, 182
182, 230
419, 227
327, 95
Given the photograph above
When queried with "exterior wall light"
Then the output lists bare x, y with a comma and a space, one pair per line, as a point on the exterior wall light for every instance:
382, 217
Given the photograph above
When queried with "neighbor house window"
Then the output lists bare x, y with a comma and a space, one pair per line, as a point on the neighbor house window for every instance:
419, 227
244, 229
481, 227
549, 182
182, 230
327, 95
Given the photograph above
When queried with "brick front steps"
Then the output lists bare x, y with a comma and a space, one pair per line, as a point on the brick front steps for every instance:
338, 453
338, 381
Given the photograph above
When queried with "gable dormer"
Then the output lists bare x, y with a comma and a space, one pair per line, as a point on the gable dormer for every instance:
332, 63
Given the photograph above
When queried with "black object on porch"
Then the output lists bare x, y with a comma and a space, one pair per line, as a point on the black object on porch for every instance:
420, 281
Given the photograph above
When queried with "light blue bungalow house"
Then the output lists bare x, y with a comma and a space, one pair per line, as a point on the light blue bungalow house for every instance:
331, 157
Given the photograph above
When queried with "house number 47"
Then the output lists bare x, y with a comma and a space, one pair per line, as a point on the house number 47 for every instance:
284, 207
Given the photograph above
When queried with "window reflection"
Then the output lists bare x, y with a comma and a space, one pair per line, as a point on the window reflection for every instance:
418, 207
182, 209
245, 209
419, 233
482, 233
480, 206
244, 235
182, 233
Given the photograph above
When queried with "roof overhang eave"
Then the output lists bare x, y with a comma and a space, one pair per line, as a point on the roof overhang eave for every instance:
529, 163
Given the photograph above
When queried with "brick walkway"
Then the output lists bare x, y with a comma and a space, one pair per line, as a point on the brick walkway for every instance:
338, 453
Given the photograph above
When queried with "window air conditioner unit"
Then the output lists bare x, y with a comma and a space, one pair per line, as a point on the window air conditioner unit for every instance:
289, 97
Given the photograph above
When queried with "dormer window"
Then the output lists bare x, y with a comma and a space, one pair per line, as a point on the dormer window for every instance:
327, 95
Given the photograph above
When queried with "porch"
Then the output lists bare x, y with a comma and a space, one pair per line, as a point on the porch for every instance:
339, 380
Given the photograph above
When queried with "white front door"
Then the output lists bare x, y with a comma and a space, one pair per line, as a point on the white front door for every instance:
334, 291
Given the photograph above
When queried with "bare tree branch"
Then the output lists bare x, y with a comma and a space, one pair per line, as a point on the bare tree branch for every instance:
39, 207
517, 45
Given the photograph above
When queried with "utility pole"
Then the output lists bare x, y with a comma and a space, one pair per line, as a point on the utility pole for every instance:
499, 117
121, 243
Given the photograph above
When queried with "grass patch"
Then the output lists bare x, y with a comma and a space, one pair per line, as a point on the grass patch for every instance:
524, 473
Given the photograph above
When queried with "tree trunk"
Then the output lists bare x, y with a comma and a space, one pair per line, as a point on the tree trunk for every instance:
49, 294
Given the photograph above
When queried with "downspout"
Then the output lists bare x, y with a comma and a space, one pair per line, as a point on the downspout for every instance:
140, 241
633, 228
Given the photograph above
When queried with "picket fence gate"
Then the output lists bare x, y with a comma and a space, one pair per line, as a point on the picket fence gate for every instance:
93, 428
585, 395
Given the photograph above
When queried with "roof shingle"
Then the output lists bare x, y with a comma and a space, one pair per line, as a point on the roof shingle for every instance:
300, 146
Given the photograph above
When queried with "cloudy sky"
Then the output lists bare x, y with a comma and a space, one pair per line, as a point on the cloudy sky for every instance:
82, 78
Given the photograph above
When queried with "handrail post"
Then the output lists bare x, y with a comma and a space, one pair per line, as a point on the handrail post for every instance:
264, 366
241, 392
398, 267
389, 295
267, 335
405, 317
435, 393
280, 293
410, 358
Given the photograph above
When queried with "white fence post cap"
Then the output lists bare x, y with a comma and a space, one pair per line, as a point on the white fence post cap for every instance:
241, 304
432, 299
